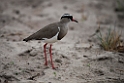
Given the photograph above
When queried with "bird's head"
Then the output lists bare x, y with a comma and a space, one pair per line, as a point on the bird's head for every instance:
68, 17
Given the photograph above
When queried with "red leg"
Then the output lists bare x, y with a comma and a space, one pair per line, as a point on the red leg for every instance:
51, 56
45, 54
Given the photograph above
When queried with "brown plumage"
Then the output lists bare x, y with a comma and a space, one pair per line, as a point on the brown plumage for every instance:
47, 32
51, 33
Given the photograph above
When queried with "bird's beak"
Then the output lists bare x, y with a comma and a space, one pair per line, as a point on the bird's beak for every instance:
74, 20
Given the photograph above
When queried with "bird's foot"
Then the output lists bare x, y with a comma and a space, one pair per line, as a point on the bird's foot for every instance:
45, 63
53, 67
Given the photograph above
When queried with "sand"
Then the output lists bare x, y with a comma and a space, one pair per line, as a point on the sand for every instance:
78, 57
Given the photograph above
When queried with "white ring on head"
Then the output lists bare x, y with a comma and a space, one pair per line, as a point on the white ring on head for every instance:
66, 14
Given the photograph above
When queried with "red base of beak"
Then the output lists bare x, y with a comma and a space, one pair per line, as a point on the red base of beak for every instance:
74, 20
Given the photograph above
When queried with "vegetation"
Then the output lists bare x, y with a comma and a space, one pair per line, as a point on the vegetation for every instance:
120, 8
120, 5
111, 40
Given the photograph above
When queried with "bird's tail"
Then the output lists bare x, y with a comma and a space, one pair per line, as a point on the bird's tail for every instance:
26, 39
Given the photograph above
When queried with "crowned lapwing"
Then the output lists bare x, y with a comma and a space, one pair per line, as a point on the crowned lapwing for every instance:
52, 33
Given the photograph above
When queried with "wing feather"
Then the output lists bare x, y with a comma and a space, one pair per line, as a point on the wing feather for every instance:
47, 32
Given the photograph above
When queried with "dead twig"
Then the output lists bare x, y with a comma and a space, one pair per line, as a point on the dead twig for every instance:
9, 77
34, 76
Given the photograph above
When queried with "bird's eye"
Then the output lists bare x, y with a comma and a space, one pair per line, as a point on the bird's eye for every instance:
70, 17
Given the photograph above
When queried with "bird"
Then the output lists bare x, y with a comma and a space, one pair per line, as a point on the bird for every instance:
52, 33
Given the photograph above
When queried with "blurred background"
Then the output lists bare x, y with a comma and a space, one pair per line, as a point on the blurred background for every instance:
26, 15
100, 31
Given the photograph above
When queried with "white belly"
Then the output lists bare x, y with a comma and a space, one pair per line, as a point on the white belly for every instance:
51, 40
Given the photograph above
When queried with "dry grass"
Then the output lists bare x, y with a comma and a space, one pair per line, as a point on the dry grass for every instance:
119, 6
120, 9
109, 41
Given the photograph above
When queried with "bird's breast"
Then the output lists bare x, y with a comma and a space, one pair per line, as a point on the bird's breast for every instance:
63, 32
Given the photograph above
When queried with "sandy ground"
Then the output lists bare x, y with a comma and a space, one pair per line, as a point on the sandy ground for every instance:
76, 62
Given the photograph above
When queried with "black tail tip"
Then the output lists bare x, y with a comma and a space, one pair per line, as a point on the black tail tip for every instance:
25, 40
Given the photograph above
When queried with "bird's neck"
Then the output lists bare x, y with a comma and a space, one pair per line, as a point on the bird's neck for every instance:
65, 24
